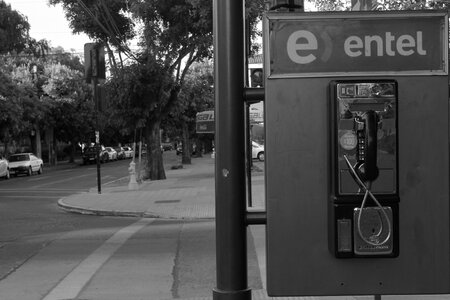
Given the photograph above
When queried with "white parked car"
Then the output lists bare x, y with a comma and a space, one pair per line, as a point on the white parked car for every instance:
257, 151
25, 163
4, 168
128, 152
112, 154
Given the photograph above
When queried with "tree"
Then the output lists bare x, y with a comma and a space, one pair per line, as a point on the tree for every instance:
175, 34
14, 29
106, 21
72, 113
11, 110
50, 95
135, 92
333, 5
178, 33
14, 34
196, 95
33, 109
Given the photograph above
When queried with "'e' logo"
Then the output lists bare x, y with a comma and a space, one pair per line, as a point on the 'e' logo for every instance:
301, 40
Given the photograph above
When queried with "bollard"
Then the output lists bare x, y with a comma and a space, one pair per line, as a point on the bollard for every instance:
132, 185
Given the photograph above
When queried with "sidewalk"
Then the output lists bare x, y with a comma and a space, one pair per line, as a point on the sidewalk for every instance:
187, 193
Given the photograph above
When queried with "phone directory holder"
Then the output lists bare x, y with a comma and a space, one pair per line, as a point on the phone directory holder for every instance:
363, 211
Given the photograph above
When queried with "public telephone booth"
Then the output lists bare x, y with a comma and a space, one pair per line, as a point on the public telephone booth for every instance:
358, 202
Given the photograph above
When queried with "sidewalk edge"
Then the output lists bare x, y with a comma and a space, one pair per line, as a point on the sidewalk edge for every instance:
99, 212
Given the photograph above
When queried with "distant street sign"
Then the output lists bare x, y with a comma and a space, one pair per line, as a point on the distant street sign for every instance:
205, 122
94, 61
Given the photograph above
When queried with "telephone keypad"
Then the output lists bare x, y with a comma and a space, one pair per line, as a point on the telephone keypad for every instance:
360, 152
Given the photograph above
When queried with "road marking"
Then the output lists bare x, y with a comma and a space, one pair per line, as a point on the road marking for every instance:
115, 180
38, 178
47, 190
74, 282
60, 181
35, 197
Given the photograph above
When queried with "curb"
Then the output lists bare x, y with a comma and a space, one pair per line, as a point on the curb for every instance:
98, 212
112, 213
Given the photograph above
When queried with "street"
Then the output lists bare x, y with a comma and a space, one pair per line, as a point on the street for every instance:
46, 253
49, 254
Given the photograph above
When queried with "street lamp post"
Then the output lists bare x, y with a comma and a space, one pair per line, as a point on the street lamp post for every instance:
231, 231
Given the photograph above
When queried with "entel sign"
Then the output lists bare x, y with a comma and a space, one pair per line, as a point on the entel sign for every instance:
354, 46
377, 43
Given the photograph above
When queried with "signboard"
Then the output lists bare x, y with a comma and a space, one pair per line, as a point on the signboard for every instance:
256, 114
357, 43
205, 122
94, 61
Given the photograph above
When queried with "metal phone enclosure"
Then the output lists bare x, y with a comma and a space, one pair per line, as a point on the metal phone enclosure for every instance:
369, 90
350, 100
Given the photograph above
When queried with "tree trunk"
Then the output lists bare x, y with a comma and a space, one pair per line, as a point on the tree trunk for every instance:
154, 169
6, 143
198, 147
72, 151
186, 155
49, 137
38, 142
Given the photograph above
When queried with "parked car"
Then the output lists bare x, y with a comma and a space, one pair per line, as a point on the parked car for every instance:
112, 154
166, 146
180, 149
257, 151
90, 155
120, 152
25, 163
128, 152
144, 150
4, 168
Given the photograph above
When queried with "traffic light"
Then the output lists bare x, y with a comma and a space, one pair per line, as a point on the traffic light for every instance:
256, 77
94, 61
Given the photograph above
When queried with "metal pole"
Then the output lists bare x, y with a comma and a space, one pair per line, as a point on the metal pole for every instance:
249, 154
248, 146
231, 235
97, 129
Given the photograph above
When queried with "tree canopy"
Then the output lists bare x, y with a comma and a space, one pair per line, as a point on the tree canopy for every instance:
334, 5
14, 29
172, 35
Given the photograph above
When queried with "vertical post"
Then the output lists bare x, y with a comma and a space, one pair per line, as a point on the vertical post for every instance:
248, 146
249, 159
231, 234
97, 133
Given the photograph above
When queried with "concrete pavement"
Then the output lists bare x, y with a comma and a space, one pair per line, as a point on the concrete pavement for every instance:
187, 193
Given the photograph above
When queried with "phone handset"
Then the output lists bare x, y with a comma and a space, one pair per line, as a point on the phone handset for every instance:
366, 130
366, 171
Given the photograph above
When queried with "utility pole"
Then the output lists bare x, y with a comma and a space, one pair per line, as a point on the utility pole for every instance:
94, 65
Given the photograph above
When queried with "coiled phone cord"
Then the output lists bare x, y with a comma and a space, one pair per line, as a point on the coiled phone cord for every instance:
368, 193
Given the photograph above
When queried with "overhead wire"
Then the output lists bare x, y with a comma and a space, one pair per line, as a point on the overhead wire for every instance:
126, 49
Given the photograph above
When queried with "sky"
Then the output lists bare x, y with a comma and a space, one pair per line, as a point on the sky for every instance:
49, 22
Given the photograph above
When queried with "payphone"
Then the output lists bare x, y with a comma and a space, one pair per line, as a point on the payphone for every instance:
363, 212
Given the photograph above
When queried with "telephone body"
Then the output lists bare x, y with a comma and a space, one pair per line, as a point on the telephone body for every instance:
363, 210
